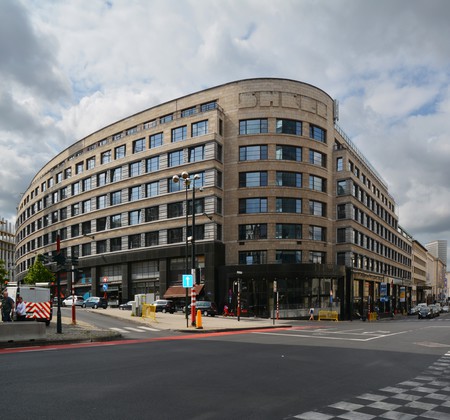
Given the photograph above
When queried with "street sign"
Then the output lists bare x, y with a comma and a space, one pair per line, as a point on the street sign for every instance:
188, 280
105, 287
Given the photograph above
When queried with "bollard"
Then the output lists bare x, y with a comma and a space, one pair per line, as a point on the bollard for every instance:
199, 320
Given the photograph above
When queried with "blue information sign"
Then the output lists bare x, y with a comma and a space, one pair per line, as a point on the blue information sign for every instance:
188, 280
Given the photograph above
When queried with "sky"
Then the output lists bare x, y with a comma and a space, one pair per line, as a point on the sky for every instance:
71, 67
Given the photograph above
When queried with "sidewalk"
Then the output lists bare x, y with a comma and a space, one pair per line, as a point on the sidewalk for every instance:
83, 332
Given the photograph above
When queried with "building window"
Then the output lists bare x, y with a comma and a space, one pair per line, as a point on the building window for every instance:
188, 112
253, 232
175, 209
317, 257
152, 213
252, 179
253, 153
208, 106
134, 193
156, 140
139, 145
199, 232
317, 233
75, 231
196, 154
116, 198
101, 202
150, 124
86, 249
63, 213
284, 256
79, 168
101, 179
67, 173
176, 158
341, 211
199, 206
75, 188
63, 193
339, 164
152, 238
252, 257
87, 184
317, 183
256, 126
101, 224
101, 247
75, 209
134, 169
153, 164
179, 133
152, 189
58, 177
115, 244
133, 217
116, 174
288, 205
252, 205
288, 153
289, 179
317, 133
105, 157
86, 228
317, 208
342, 188
86, 206
199, 128
119, 152
341, 235
166, 119
116, 221
90, 163
289, 127
288, 231
317, 158
174, 235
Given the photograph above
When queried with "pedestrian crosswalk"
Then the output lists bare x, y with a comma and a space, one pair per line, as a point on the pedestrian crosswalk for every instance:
128, 330
425, 396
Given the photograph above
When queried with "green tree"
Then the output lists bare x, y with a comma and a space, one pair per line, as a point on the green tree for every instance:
3, 274
38, 273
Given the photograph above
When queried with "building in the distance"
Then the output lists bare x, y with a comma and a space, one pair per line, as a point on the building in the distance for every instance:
281, 195
438, 249
7, 244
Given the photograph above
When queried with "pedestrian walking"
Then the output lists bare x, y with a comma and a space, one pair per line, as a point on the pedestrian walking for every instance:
7, 307
21, 309
311, 314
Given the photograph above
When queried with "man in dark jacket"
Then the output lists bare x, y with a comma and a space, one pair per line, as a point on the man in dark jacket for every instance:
7, 307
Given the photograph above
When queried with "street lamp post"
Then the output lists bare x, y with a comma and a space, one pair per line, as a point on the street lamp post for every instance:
187, 182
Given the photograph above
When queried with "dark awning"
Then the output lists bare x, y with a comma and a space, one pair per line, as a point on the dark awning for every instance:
179, 291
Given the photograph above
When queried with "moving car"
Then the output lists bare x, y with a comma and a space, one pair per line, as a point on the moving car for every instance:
426, 312
77, 300
163, 305
95, 302
126, 306
207, 308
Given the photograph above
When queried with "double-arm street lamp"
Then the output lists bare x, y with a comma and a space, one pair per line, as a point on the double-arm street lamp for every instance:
186, 179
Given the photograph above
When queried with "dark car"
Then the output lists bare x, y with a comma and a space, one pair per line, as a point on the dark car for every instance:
163, 305
206, 308
426, 312
95, 302
127, 306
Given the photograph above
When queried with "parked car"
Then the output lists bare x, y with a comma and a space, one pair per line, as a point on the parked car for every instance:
163, 305
414, 310
78, 301
426, 312
436, 309
445, 308
95, 302
127, 306
206, 308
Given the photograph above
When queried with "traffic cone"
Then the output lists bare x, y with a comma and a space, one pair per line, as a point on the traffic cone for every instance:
199, 320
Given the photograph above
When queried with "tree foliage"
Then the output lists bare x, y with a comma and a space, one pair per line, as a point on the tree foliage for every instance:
3, 274
38, 273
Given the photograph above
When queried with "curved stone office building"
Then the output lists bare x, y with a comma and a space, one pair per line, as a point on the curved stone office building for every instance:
282, 197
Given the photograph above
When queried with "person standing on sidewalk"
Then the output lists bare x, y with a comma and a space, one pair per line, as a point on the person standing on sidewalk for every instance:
7, 307
311, 314
21, 309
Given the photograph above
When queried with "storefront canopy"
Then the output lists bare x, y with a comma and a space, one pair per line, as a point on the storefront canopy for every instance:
179, 291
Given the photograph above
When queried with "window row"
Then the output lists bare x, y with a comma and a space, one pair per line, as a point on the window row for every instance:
282, 179
282, 231
282, 256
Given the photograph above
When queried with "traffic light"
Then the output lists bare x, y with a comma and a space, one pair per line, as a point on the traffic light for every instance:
60, 259
74, 260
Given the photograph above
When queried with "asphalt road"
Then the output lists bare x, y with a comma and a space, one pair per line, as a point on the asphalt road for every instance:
258, 375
